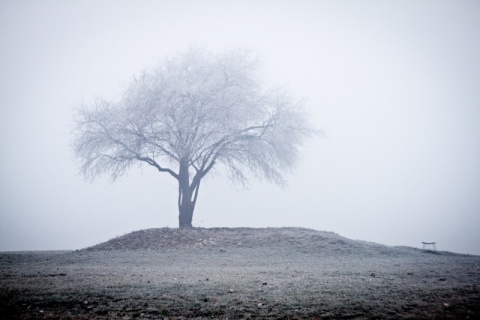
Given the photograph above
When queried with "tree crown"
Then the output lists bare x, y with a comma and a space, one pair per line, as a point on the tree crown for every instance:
194, 110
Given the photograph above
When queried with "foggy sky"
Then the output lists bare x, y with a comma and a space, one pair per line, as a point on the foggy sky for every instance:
394, 87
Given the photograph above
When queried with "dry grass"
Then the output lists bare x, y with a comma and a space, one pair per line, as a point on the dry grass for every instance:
281, 273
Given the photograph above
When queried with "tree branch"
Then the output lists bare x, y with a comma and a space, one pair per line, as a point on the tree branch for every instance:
137, 155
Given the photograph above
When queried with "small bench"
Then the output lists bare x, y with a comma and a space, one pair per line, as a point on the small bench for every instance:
427, 245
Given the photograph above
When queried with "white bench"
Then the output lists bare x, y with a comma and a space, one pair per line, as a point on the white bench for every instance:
427, 245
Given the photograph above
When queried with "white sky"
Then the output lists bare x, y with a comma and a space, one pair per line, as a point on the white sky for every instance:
394, 85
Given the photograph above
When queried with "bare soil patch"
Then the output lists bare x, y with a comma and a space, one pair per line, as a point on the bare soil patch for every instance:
220, 273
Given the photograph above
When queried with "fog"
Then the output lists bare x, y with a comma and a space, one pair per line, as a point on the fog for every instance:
394, 87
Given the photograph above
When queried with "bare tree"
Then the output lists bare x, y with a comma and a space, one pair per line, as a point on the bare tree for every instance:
189, 114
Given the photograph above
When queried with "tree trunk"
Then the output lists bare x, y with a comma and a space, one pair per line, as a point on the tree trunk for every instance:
186, 204
185, 215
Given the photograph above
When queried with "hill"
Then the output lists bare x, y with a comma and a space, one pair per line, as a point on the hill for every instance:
304, 240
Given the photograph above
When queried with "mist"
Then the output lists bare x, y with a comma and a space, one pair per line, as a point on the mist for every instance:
393, 86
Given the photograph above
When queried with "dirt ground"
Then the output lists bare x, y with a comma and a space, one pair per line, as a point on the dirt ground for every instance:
281, 273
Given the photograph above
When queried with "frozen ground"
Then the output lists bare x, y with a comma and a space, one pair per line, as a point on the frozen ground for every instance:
286, 273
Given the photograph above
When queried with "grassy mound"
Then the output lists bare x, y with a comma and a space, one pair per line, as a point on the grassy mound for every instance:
304, 240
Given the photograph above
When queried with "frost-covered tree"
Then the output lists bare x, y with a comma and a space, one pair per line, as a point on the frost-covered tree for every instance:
193, 113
